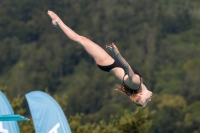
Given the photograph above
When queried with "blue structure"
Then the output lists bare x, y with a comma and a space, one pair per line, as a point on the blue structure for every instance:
13, 118
6, 109
47, 115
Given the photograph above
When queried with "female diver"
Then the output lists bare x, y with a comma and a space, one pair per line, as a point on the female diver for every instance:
131, 80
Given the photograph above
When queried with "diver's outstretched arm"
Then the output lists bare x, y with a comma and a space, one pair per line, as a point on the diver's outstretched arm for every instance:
131, 75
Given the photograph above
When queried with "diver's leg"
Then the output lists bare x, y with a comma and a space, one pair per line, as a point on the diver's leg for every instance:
100, 56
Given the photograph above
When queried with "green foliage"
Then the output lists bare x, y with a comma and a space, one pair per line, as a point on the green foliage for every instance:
137, 122
174, 112
9, 53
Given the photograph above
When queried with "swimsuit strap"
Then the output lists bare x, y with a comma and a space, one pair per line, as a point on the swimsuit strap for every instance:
123, 78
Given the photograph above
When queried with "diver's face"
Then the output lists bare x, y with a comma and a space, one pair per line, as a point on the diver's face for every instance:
145, 95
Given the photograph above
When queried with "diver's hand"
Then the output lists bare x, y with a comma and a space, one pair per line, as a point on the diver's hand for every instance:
113, 49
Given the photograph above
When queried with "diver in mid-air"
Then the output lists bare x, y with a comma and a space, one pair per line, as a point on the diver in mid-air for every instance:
131, 80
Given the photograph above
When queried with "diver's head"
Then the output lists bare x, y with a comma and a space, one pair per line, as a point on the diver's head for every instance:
142, 97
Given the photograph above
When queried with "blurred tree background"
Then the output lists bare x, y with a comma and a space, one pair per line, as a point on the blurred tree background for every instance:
160, 38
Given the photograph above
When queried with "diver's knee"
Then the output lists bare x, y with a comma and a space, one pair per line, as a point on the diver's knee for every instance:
82, 40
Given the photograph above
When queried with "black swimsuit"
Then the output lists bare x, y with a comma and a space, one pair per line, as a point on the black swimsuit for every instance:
118, 64
109, 67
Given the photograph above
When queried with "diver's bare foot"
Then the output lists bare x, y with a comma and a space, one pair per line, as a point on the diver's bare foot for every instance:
54, 17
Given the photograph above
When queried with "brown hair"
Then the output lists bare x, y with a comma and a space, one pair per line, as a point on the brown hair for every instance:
130, 92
